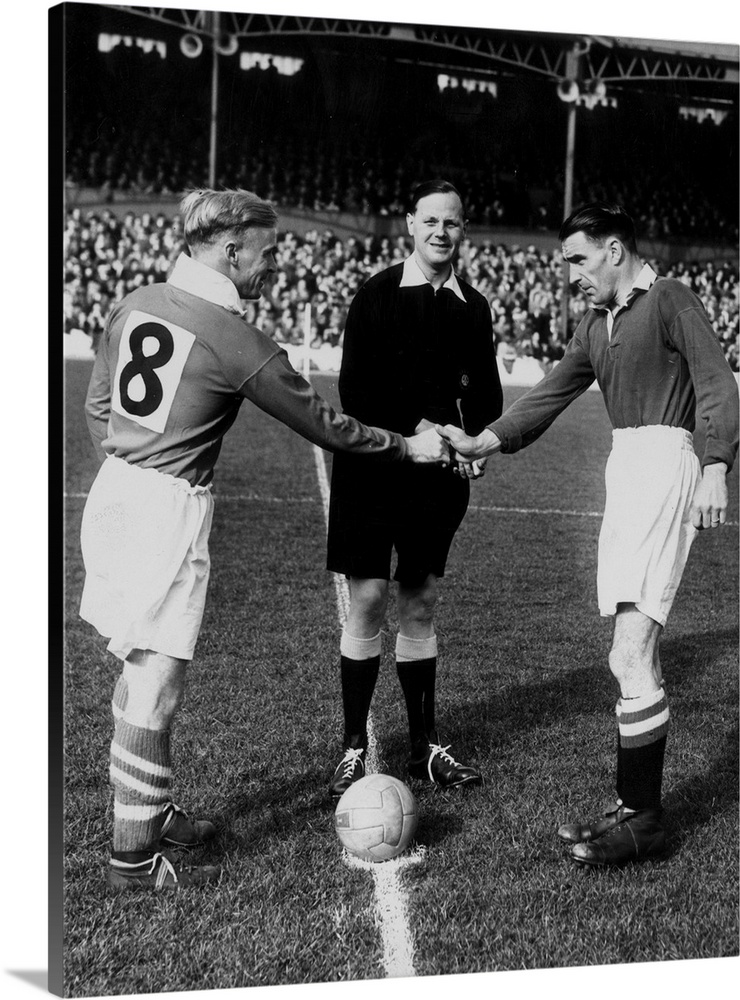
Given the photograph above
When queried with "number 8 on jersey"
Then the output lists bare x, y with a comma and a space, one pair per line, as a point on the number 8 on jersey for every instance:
151, 358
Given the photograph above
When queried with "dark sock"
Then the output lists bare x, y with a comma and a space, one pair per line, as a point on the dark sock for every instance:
358, 685
418, 679
643, 732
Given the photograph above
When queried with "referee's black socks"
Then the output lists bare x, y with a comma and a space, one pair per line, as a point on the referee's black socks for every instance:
416, 665
359, 666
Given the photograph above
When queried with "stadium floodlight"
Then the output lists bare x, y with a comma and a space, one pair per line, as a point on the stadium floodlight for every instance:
226, 44
568, 91
596, 88
191, 45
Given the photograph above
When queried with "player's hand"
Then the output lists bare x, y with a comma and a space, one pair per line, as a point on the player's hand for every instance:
428, 448
709, 507
470, 470
467, 448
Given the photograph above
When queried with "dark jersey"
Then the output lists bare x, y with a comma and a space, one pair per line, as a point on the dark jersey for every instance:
659, 364
411, 353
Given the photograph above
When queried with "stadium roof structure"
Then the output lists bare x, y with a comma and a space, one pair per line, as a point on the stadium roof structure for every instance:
707, 71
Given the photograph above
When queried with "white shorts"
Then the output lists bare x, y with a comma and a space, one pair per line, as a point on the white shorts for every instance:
145, 548
651, 477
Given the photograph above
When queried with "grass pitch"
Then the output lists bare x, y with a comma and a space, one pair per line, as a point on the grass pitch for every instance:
524, 690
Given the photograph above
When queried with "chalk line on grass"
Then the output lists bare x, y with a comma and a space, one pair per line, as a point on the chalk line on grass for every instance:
482, 508
390, 899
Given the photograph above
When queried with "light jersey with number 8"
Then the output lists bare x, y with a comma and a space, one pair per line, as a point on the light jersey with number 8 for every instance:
151, 357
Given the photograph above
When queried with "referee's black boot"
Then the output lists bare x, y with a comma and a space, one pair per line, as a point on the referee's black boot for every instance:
637, 836
350, 768
430, 761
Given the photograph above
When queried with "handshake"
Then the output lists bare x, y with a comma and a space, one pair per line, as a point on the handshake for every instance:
449, 445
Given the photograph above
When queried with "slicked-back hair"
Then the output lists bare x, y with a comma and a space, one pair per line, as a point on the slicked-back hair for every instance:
206, 214
599, 219
437, 186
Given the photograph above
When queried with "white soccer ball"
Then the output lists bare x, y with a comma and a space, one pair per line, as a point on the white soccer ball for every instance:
376, 817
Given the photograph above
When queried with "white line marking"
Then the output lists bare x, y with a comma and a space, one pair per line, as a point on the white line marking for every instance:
527, 511
391, 911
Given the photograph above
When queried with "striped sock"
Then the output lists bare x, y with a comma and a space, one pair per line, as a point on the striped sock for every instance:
140, 772
643, 732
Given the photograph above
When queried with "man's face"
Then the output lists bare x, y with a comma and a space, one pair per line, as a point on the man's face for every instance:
437, 227
255, 262
591, 268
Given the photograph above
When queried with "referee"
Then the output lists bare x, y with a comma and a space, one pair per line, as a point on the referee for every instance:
649, 343
418, 351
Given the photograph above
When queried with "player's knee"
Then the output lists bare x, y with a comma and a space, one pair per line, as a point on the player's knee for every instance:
626, 661
156, 688
618, 663
368, 599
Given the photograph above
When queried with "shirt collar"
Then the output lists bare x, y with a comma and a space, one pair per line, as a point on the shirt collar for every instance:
643, 282
413, 275
199, 279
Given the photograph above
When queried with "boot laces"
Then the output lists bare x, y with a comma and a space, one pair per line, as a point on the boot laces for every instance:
351, 757
440, 751
171, 814
166, 868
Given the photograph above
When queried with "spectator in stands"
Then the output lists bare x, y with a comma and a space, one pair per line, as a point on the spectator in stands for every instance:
102, 264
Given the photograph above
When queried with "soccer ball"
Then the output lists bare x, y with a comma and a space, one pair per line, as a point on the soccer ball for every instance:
376, 817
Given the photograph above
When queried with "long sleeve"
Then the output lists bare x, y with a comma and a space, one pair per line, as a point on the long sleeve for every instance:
714, 384
484, 399
280, 391
534, 412
97, 403
363, 338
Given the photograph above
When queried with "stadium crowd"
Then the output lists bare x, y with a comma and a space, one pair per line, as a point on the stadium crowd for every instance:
106, 257
336, 136
352, 177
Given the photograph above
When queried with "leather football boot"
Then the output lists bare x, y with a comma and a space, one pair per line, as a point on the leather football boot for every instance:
350, 769
579, 833
158, 872
432, 762
178, 830
639, 835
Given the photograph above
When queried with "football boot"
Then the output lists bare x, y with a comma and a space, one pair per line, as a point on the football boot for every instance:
350, 769
433, 762
158, 872
579, 833
637, 836
178, 830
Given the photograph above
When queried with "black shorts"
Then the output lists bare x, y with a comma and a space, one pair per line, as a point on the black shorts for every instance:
374, 510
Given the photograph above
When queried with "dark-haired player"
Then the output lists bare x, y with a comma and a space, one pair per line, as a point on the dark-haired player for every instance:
175, 363
418, 350
650, 345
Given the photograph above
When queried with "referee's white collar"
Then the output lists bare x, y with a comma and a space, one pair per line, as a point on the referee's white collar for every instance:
413, 275
201, 280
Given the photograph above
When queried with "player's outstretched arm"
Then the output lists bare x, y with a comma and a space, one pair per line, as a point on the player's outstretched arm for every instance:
468, 448
427, 448
709, 508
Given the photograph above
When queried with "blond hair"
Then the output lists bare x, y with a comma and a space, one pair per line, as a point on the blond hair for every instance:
206, 214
